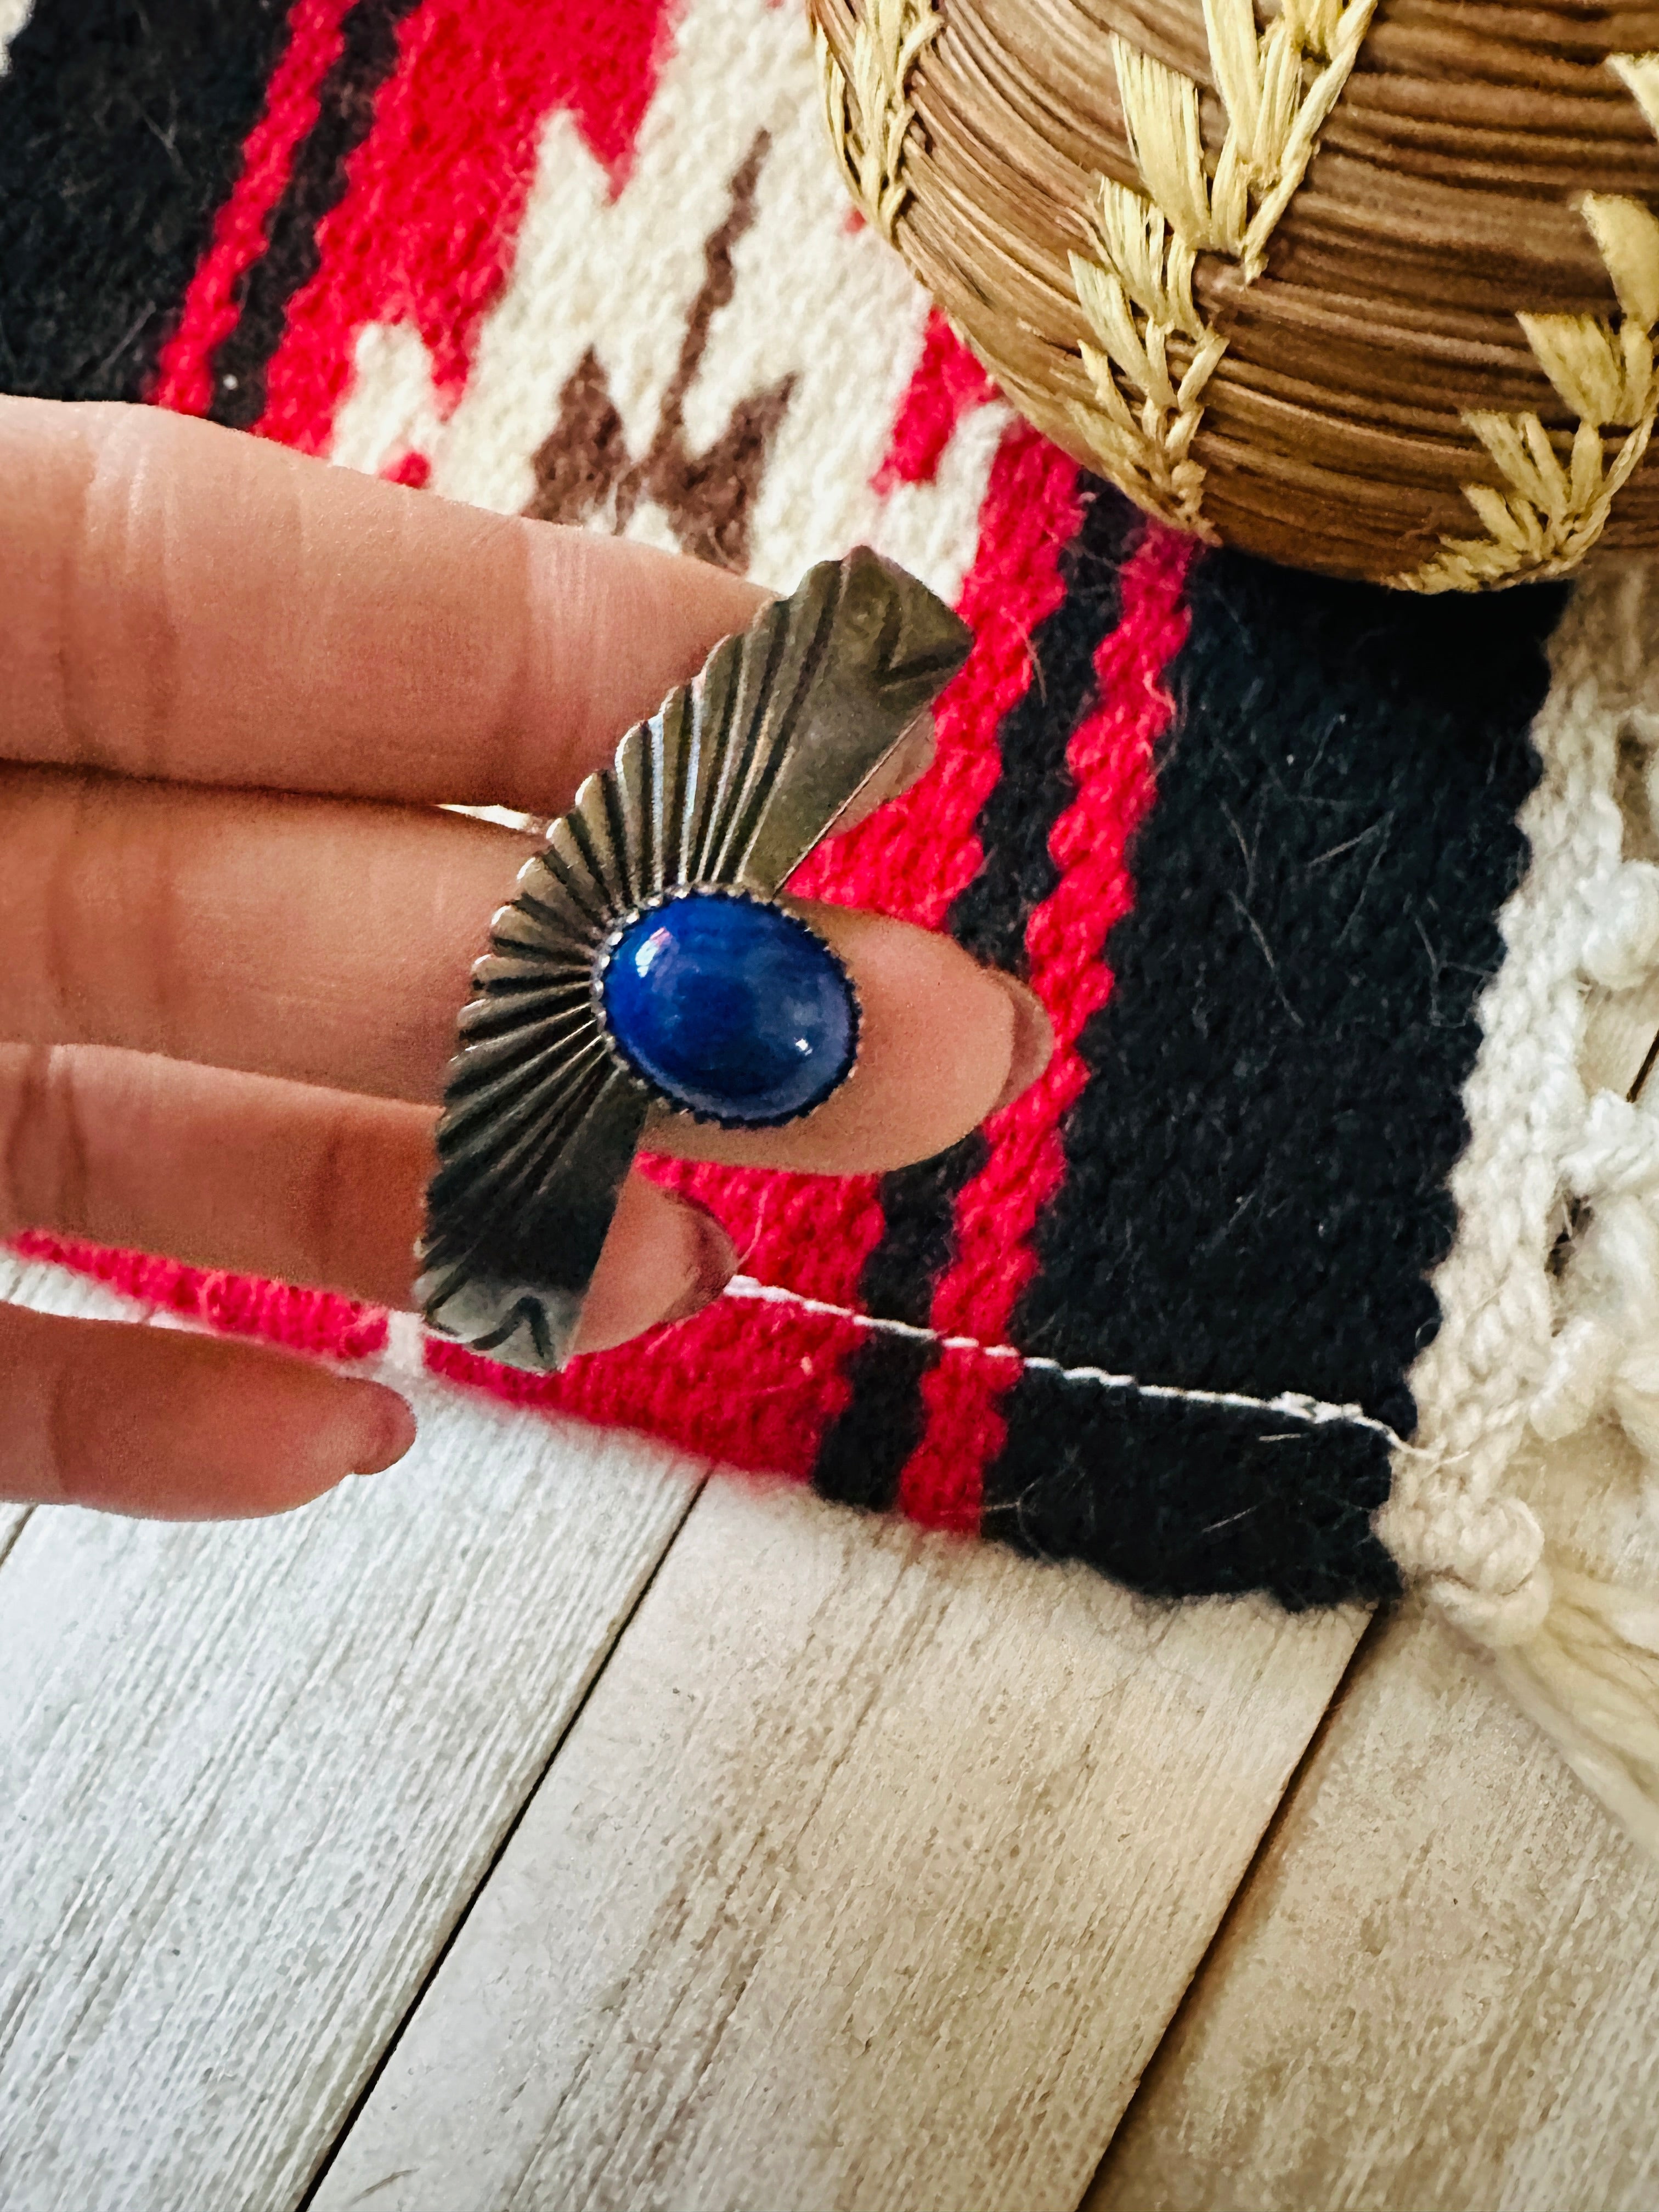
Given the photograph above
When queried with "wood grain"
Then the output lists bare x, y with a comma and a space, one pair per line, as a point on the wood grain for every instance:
250, 1775
1440, 1991
869, 1876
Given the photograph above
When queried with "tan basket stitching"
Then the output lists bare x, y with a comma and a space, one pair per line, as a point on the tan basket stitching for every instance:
1553, 510
1155, 353
870, 118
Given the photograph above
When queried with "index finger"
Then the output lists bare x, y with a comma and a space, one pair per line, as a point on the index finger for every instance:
187, 601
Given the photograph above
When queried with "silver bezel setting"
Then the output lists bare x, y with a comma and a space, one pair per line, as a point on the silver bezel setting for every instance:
664, 1100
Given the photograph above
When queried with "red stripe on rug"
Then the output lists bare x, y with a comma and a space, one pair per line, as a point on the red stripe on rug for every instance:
318, 1322
757, 1383
425, 232
915, 856
1111, 757
948, 384
184, 374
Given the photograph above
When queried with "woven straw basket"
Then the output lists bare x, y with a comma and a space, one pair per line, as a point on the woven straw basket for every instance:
1368, 286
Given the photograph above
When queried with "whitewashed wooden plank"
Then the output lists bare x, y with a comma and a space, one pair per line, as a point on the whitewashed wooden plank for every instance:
868, 1877
251, 1774
1440, 1991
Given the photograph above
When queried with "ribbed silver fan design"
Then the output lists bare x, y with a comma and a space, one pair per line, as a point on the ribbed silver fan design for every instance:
730, 784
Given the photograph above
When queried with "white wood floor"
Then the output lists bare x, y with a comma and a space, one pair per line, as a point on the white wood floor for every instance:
538, 1825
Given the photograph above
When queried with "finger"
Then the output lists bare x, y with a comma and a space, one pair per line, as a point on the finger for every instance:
177, 1427
941, 1043
327, 943
331, 944
269, 1178
187, 601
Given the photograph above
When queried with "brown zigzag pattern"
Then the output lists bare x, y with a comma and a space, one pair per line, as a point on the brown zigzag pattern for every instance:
584, 473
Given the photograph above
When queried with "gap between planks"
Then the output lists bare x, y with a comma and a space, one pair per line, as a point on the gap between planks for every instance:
275, 1764
777, 1919
1438, 1986
12, 1518
1438, 1991
837, 2022
251, 1774
869, 1876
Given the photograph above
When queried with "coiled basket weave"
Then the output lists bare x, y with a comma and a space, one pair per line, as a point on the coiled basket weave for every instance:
1368, 286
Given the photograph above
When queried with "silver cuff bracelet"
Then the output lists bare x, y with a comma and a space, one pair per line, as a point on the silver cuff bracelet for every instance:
645, 965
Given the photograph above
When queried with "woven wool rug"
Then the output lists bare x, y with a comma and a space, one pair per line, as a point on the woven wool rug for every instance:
1261, 1288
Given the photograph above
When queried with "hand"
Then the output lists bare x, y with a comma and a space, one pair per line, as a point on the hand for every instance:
235, 686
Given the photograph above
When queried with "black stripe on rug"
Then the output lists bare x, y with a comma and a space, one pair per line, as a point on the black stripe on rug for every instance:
1257, 1173
316, 185
121, 131
864, 1450
1184, 1500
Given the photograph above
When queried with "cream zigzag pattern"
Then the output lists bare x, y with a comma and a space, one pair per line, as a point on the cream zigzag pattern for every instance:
1551, 512
1155, 353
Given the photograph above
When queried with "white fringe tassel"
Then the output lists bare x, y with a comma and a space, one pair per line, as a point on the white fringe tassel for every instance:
1589, 1677
1525, 1355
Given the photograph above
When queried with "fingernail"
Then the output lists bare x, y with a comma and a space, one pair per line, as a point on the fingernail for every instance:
388, 1430
714, 1262
1033, 1042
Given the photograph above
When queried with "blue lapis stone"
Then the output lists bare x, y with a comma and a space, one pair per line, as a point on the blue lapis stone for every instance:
732, 1009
